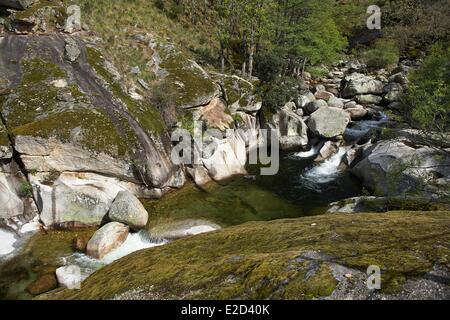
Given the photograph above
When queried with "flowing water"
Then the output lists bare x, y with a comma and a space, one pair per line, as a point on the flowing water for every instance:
301, 187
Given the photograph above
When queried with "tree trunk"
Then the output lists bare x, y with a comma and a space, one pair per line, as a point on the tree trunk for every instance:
222, 56
244, 69
251, 54
304, 66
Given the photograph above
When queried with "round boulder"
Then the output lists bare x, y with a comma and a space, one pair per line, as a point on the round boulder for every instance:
106, 239
127, 209
42, 285
328, 122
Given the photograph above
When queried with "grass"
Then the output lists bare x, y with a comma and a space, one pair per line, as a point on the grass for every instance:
116, 22
262, 260
147, 115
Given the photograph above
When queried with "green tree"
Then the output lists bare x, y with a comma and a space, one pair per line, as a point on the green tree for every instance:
426, 103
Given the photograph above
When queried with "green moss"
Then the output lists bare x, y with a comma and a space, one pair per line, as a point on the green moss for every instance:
147, 115
37, 70
33, 10
4, 139
186, 118
97, 131
263, 260
195, 84
320, 284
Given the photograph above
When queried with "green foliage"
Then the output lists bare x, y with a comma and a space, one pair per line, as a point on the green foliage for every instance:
318, 36
415, 24
426, 103
25, 190
270, 65
275, 94
317, 71
381, 54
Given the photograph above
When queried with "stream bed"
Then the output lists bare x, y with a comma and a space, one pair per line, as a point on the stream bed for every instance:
301, 188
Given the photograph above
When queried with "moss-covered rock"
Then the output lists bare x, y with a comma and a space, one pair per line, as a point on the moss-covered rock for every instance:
295, 259
239, 93
194, 85
5, 147
43, 284
42, 16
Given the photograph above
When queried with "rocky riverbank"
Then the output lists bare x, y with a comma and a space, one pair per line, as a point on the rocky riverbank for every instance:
85, 149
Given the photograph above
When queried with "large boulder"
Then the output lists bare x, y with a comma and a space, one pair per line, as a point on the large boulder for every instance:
328, 122
17, 4
358, 84
79, 117
83, 198
127, 209
16, 204
50, 155
106, 239
398, 167
228, 158
293, 131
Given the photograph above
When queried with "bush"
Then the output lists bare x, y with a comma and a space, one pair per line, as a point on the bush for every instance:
318, 72
382, 54
269, 65
278, 93
26, 190
426, 102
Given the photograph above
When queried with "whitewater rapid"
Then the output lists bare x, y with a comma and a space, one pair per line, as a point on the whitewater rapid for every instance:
324, 172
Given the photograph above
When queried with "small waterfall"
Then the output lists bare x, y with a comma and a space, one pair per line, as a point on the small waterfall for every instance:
362, 127
134, 242
325, 172
306, 154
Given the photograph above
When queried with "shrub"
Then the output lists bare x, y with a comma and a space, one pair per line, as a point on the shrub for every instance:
426, 102
382, 54
277, 93
26, 190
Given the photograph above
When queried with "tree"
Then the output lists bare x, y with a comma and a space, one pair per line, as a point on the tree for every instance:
256, 23
426, 102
